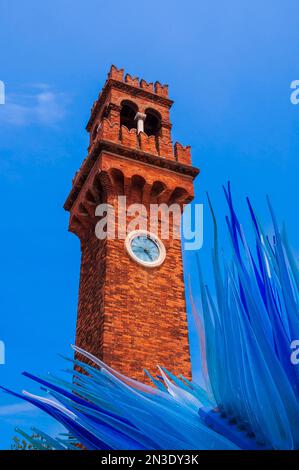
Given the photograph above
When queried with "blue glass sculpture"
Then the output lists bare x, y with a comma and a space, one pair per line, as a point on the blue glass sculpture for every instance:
250, 398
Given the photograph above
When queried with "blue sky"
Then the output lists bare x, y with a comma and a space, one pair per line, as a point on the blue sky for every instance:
229, 66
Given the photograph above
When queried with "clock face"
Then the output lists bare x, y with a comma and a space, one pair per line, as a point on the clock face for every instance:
145, 248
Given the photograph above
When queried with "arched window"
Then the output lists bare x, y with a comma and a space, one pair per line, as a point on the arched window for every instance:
127, 114
152, 123
137, 183
157, 188
117, 177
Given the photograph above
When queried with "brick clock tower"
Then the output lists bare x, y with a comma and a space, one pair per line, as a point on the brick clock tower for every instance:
131, 309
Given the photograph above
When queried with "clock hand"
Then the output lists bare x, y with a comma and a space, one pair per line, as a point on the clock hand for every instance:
149, 255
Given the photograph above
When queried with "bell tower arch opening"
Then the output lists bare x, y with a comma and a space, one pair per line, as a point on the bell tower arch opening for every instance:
152, 123
127, 114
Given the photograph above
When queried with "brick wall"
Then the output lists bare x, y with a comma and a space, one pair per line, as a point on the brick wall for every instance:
130, 316
90, 317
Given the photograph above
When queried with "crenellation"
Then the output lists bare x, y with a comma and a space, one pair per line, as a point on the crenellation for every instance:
116, 74
165, 148
147, 86
129, 137
148, 143
182, 154
109, 131
161, 90
155, 88
134, 81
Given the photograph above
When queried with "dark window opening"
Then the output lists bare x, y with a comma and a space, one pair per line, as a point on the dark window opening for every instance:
157, 189
127, 116
152, 124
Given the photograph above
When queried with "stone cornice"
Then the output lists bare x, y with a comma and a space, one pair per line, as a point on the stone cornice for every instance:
118, 149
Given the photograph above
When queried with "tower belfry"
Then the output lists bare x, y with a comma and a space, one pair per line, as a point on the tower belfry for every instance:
131, 309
